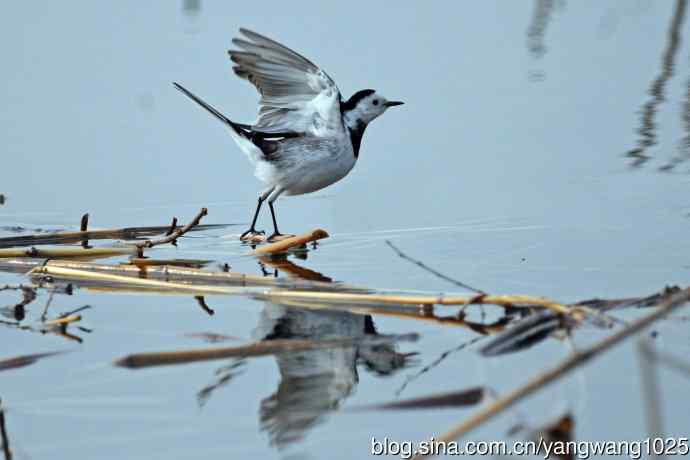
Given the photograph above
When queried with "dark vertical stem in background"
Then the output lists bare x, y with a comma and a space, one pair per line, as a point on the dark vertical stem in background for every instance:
3, 435
647, 129
543, 10
651, 393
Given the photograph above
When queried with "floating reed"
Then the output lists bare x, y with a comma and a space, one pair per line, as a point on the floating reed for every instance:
131, 233
279, 294
291, 242
62, 320
269, 347
90, 253
25, 360
82, 271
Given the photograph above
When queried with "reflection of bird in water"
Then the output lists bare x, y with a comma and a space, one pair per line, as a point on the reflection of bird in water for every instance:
315, 382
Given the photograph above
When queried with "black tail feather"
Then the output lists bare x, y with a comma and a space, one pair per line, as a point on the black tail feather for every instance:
236, 126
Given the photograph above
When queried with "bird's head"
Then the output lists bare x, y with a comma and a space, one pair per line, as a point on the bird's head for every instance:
365, 105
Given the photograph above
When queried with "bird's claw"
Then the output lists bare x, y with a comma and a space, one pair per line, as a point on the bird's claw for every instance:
251, 233
274, 237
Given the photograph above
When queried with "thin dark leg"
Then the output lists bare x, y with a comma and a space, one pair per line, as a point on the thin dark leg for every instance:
252, 229
275, 224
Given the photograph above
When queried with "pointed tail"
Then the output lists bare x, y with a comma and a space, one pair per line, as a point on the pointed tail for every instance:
235, 126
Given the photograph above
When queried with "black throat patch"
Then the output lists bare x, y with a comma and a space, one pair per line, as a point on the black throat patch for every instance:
356, 133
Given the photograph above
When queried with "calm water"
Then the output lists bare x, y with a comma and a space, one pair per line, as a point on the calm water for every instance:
506, 168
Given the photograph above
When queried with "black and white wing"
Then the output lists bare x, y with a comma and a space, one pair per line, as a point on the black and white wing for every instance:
296, 95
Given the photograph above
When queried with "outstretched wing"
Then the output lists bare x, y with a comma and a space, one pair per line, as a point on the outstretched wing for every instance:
296, 95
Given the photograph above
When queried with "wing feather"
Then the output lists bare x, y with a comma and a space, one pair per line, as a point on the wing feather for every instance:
296, 95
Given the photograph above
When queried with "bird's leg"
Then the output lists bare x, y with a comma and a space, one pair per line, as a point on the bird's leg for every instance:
274, 196
276, 233
252, 228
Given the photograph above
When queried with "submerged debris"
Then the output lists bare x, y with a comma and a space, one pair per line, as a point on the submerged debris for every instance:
525, 333
25, 360
464, 398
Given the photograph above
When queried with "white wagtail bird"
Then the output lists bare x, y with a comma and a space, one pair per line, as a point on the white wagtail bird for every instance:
306, 136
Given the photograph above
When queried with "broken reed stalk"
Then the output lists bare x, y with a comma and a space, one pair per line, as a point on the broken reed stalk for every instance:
25, 360
575, 360
289, 243
66, 252
171, 237
83, 227
63, 320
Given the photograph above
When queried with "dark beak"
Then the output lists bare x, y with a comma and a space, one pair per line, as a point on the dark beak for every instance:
393, 103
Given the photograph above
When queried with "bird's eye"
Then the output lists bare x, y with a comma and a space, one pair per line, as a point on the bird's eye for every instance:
376, 102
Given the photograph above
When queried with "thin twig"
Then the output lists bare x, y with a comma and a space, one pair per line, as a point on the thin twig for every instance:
173, 226
48, 302
549, 376
436, 273
172, 236
202, 303
436, 362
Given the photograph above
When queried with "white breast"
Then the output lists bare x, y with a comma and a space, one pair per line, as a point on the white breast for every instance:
308, 164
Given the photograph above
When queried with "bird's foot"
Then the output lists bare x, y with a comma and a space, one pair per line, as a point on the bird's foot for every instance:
252, 235
274, 237
277, 237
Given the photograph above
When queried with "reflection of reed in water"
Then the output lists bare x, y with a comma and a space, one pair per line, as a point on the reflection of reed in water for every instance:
191, 7
543, 10
315, 382
647, 130
684, 144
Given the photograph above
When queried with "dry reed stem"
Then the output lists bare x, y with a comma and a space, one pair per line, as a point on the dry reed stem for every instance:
278, 294
270, 347
63, 320
500, 300
549, 376
66, 252
291, 242
122, 275
70, 273
78, 237
144, 263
